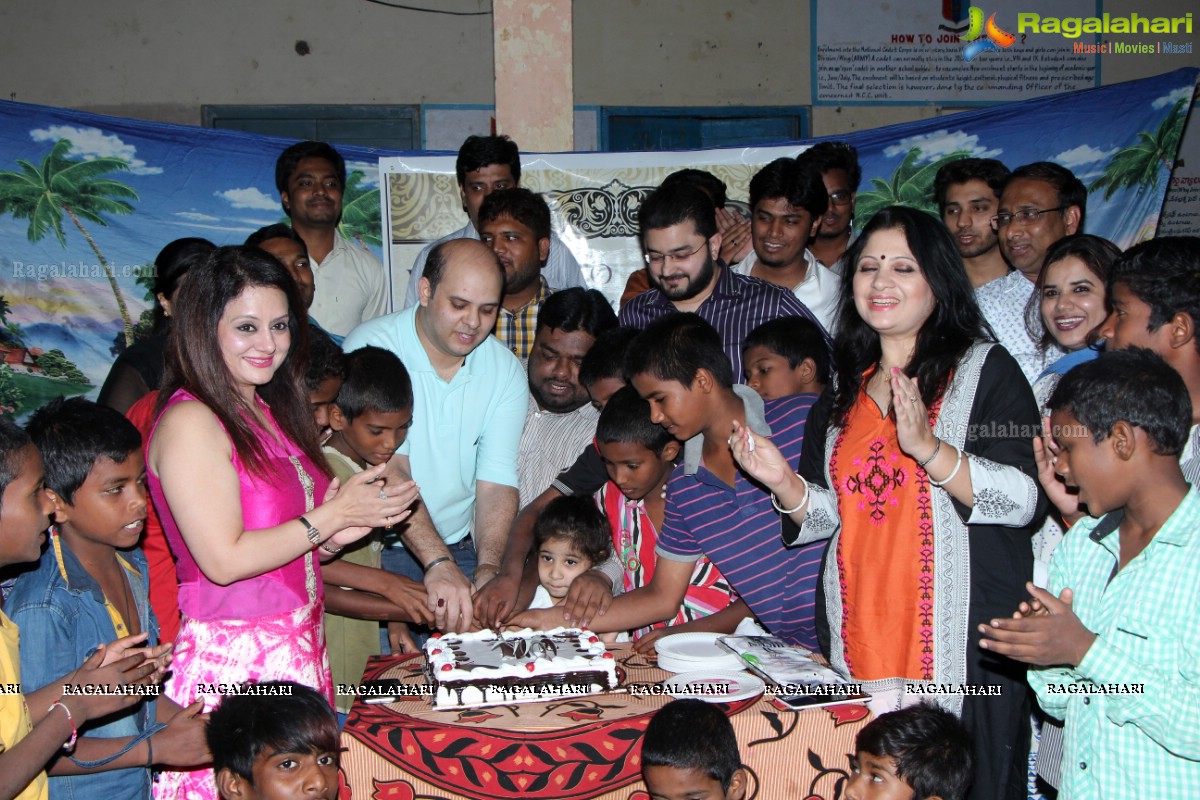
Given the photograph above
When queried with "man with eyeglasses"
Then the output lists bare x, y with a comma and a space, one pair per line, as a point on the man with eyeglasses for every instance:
787, 202
1041, 203
838, 164
680, 243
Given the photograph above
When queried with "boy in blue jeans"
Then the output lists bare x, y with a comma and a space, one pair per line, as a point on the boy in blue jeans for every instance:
90, 586
1114, 634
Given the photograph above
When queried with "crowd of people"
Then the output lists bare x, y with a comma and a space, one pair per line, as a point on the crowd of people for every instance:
864, 437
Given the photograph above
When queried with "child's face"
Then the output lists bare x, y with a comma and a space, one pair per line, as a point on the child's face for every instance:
372, 437
559, 563
25, 511
602, 389
635, 469
874, 778
771, 376
322, 401
1093, 467
676, 407
673, 783
1129, 324
284, 776
110, 507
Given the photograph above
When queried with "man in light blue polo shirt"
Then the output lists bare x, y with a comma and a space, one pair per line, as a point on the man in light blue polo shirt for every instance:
470, 396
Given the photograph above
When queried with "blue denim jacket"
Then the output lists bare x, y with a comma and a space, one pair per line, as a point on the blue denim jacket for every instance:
61, 622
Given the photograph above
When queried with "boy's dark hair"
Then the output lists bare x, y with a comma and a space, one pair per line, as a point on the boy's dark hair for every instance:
577, 309
677, 346
675, 203
1134, 385
1164, 274
290, 158
72, 433
931, 748
835, 155
692, 734
376, 380
793, 338
797, 182
325, 359
13, 442
1071, 191
478, 152
276, 231
575, 518
713, 186
526, 207
626, 418
988, 170
606, 359
296, 719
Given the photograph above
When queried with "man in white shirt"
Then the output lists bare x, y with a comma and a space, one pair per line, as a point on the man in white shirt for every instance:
787, 202
350, 283
1041, 203
485, 164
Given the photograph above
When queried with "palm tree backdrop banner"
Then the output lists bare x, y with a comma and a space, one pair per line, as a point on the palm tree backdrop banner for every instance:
87, 201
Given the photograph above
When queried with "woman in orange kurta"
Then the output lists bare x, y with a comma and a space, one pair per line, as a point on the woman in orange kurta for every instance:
918, 466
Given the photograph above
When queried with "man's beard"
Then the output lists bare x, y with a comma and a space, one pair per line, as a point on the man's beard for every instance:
694, 286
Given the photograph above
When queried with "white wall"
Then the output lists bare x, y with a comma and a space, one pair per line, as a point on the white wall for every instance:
163, 60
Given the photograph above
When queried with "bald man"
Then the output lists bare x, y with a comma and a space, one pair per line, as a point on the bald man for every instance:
469, 399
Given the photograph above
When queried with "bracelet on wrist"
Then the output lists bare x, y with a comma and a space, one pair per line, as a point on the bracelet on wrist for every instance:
800, 505
332, 549
932, 455
957, 464
68, 745
313, 534
438, 561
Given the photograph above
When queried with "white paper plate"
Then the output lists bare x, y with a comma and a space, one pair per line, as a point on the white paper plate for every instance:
714, 687
688, 652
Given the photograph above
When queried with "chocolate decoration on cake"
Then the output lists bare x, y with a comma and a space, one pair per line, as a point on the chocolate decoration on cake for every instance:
491, 668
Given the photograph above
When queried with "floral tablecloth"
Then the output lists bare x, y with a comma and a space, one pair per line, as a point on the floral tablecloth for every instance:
573, 749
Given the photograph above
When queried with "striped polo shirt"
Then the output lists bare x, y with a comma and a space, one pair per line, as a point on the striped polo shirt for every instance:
738, 305
739, 530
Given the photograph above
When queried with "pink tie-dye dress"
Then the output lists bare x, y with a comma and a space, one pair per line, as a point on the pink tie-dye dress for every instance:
268, 627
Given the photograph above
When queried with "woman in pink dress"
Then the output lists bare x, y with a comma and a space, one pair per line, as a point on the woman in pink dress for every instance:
236, 473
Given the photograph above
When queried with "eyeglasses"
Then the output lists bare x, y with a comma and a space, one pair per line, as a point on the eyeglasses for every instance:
658, 259
1024, 216
840, 197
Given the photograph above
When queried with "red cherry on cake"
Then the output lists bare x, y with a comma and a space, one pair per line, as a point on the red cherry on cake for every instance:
447, 667
530, 666
607, 655
435, 635
593, 639
436, 652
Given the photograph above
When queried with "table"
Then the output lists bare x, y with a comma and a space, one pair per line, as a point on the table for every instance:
574, 748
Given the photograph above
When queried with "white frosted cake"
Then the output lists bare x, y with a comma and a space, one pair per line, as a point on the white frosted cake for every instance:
487, 668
